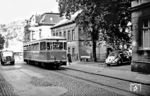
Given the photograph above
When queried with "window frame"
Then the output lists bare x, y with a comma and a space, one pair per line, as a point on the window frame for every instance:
64, 34
42, 47
68, 35
73, 34
144, 28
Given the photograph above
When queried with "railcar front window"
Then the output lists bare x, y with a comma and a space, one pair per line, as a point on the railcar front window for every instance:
43, 46
49, 45
57, 45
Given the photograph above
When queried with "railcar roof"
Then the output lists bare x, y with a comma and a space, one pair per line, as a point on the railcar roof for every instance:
44, 39
53, 38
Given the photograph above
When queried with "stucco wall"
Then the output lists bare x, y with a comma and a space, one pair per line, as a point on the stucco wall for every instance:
79, 44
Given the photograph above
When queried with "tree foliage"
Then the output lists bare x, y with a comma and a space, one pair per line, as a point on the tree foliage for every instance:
102, 19
2, 41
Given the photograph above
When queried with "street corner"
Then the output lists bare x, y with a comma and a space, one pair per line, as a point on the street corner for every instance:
48, 91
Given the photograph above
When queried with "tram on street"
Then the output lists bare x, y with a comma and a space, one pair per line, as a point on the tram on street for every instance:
46, 52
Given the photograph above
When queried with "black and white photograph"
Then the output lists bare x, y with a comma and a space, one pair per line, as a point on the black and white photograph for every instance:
75, 48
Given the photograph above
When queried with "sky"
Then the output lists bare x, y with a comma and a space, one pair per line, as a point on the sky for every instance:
13, 10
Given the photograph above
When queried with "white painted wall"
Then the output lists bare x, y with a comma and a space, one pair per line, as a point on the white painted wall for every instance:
46, 31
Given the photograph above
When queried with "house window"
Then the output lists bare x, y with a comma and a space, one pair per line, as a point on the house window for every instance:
53, 33
68, 35
33, 35
60, 34
73, 51
146, 34
68, 49
40, 30
56, 34
64, 34
73, 34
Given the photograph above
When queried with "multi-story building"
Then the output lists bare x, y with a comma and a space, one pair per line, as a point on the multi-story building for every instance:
141, 35
77, 42
39, 26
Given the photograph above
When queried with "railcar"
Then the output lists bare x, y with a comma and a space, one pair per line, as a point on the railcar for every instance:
46, 52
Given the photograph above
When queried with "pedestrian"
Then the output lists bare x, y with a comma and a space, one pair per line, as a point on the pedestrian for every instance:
69, 58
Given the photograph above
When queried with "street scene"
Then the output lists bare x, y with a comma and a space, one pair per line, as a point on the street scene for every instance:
30, 80
75, 48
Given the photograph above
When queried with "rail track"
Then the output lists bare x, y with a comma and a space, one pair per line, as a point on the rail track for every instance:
106, 82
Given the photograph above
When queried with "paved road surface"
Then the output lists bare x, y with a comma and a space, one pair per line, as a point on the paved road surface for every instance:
29, 80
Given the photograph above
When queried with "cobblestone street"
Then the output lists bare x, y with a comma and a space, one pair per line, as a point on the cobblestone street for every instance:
29, 80
5, 88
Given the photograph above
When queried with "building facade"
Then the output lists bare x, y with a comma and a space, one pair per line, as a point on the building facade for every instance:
141, 35
39, 26
78, 43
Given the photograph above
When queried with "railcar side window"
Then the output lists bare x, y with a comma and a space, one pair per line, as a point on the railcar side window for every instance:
65, 46
57, 45
32, 47
35, 46
27, 47
61, 45
43, 46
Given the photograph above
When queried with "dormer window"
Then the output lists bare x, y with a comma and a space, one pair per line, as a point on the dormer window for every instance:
42, 20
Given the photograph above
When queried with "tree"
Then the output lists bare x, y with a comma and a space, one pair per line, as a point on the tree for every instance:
116, 24
101, 19
2, 41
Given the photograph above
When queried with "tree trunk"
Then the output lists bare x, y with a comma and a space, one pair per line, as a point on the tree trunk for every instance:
94, 51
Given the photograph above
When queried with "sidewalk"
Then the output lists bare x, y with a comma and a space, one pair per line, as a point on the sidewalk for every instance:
97, 68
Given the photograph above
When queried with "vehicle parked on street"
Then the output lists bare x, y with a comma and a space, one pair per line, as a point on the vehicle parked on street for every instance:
7, 57
118, 58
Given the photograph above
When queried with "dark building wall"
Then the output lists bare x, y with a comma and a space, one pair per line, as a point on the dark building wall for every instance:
141, 55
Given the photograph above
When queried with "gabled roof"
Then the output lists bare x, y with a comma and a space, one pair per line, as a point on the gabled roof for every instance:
50, 19
67, 21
